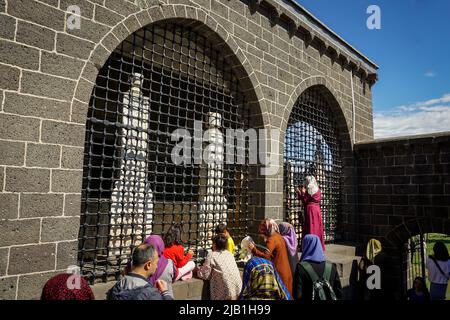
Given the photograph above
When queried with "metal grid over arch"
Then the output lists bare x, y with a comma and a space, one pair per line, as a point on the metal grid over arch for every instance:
312, 147
164, 77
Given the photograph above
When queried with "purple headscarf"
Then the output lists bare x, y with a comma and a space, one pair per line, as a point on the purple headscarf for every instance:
288, 233
312, 249
158, 243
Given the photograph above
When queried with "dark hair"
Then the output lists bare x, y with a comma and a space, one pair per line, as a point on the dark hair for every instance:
221, 228
142, 254
424, 286
220, 241
440, 251
173, 235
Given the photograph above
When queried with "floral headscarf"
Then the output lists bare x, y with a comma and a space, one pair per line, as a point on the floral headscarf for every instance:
268, 227
262, 282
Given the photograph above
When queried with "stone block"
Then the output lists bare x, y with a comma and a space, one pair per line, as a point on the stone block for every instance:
62, 133
73, 46
72, 205
33, 258
4, 253
41, 205
86, 7
72, 157
19, 55
122, 7
30, 285
9, 208
43, 155
35, 36
68, 181
8, 28
19, 232
19, 128
106, 16
90, 30
8, 288
60, 65
27, 180
36, 107
66, 254
9, 77
60, 229
12, 152
38, 13
47, 86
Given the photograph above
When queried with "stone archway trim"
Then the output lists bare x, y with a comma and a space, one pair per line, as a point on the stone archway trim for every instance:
140, 19
308, 83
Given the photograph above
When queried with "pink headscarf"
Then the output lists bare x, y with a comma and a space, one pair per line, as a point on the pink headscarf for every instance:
158, 243
288, 232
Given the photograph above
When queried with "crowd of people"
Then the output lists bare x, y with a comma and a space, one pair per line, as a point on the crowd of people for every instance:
276, 270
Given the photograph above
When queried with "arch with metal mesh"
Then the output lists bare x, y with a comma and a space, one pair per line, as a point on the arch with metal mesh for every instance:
312, 147
164, 77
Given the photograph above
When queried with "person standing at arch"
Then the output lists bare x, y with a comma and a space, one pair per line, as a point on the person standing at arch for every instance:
310, 195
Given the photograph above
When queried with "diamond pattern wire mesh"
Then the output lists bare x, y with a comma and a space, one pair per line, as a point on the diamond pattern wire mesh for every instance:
162, 78
416, 256
312, 148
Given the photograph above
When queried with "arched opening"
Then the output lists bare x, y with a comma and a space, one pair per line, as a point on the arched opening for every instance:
415, 255
164, 77
312, 147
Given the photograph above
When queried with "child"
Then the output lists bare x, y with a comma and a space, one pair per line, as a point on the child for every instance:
222, 229
221, 269
175, 252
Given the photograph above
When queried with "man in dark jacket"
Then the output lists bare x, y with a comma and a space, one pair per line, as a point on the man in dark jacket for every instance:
135, 286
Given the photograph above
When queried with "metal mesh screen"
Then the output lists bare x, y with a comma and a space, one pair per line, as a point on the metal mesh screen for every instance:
312, 148
416, 254
162, 78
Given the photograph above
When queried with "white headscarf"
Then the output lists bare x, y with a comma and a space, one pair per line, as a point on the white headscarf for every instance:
311, 185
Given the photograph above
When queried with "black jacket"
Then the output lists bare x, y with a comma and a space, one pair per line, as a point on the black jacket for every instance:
135, 287
302, 286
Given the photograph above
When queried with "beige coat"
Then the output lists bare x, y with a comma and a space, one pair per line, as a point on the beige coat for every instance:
225, 279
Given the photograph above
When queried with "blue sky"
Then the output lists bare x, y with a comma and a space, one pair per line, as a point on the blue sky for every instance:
412, 50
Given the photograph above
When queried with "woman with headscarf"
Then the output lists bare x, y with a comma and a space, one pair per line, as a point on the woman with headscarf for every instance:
165, 269
376, 256
275, 251
311, 196
287, 231
67, 286
313, 258
262, 282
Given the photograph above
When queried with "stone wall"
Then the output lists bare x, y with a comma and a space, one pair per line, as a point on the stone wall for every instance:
403, 190
46, 78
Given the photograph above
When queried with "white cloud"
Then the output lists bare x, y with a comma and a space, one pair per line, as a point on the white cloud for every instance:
430, 74
418, 118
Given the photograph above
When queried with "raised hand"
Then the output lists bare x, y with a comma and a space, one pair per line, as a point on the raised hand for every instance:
161, 285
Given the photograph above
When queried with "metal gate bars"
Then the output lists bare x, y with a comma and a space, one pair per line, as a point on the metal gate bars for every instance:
162, 78
312, 148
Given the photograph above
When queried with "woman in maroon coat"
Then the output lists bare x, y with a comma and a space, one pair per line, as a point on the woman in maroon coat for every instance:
310, 196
